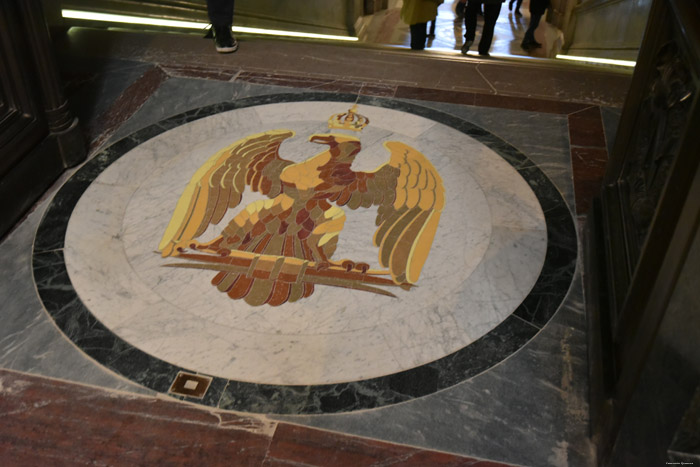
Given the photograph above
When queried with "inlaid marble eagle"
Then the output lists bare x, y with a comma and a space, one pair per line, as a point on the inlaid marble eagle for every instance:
276, 250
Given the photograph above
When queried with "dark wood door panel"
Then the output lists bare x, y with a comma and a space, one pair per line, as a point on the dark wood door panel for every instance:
19, 132
38, 136
21, 123
648, 213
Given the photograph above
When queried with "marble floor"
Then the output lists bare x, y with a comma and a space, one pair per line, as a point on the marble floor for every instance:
475, 354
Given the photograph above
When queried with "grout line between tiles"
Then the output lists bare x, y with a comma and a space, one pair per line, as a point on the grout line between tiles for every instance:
486, 80
235, 77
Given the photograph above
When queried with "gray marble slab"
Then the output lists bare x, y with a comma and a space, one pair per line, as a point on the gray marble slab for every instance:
178, 95
529, 410
611, 120
543, 138
29, 339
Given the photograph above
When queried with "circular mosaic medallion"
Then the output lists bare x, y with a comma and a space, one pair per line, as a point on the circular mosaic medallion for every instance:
305, 253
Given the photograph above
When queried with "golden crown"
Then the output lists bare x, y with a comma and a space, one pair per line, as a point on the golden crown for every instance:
349, 120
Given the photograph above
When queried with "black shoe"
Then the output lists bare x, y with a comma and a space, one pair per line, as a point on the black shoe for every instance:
223, 39
485, 54
465, 47
517, 13
529, 45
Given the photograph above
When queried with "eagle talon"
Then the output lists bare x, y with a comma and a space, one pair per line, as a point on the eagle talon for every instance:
350, 265
321, 265
362, 267
347, 265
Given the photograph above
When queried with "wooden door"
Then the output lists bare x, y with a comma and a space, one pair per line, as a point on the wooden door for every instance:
648, 213
38, 136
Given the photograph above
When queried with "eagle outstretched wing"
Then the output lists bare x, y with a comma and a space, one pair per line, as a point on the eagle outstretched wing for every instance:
406, 226
219, 184
410, 195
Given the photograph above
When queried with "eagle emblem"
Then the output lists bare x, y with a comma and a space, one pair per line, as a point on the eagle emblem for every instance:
278, 250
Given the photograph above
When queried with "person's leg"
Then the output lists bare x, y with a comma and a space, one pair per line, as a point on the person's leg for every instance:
432, 28
529, 39
459, 10
221, 16
220, 12
491, 12
418, 35
470, 12
517, 7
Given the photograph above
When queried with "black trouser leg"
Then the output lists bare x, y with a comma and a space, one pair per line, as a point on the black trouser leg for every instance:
459, 9
470, 12
491, 12
530, 33
220, 12
418, 35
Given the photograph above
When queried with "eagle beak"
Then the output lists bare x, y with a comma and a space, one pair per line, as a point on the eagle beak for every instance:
322, 139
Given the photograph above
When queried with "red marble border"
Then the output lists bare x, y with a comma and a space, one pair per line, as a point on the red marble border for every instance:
586, 128
189, 71
126, 105
435, 95
589, 155
51, 422
322, 448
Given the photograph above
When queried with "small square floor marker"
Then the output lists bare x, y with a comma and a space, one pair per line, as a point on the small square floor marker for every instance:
190, 385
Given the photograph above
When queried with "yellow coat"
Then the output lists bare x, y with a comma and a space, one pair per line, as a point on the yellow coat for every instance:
419, 11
